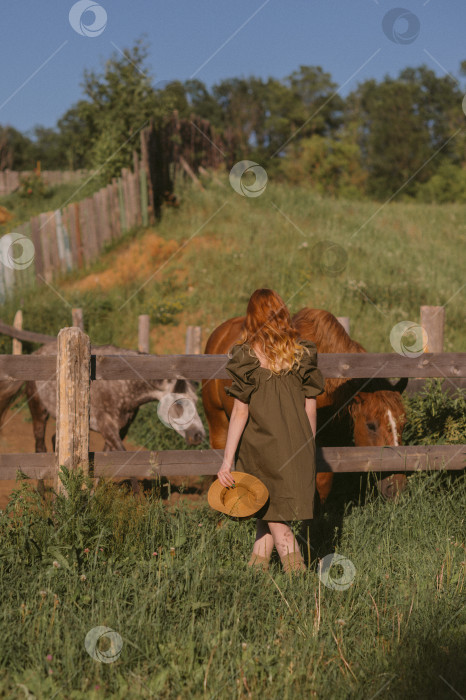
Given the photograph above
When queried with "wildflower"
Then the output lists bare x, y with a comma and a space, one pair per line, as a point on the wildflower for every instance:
49, 657
172, 551
199, 524
50, 671
87, 550
56, 564
43, 593
100, 549
82, 577
154, 554
244, 645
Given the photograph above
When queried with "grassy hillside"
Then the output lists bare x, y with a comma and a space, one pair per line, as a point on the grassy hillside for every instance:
200, 264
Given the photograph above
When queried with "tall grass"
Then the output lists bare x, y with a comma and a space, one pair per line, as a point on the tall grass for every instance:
196, 622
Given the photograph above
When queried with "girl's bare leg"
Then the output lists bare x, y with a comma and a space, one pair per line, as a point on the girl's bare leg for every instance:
287, 546
263, 545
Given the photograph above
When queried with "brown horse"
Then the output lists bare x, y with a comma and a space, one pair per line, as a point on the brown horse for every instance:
368, 412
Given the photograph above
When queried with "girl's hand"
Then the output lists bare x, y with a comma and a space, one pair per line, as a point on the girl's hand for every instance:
224, 475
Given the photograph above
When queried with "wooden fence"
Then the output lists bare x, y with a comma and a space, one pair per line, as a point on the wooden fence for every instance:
10, 180
74, 368
74, 236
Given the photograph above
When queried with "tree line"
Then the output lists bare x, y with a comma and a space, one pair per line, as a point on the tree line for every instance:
400, 136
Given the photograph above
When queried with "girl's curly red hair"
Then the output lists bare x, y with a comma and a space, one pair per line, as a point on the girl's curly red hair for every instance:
268, 325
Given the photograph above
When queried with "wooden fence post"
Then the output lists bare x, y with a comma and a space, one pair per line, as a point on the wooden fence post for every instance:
143, 333
73, 402
345, 322
433, 323
18, 323
145, 137
193, 340
77, 318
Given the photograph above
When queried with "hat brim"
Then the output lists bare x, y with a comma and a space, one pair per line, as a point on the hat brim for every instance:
246, 498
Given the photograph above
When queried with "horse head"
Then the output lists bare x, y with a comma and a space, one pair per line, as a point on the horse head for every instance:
177, 409
378, 416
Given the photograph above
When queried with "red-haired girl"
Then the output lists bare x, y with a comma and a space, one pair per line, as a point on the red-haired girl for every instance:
275, 385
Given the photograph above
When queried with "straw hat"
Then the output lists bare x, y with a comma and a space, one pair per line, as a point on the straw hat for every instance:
242, 500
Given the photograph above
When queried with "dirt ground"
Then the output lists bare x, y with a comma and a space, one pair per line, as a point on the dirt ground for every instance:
16, 437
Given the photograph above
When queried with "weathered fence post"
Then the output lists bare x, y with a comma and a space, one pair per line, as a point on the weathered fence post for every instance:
345, 322
193, 340
73, 402
77, 318
18, 323
433, 323
143, 333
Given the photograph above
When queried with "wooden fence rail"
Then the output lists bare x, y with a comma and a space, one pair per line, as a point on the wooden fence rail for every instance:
75, 367
347, 365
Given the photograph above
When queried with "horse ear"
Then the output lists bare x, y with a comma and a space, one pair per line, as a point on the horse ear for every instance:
354, 403
401, 385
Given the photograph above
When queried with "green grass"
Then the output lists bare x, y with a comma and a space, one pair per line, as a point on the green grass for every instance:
196, 622
403, 255
58, 196
45, 311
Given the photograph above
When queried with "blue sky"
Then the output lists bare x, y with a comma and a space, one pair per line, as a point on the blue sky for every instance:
43, 57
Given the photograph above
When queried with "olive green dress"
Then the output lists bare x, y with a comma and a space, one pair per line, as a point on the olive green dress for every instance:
277, 445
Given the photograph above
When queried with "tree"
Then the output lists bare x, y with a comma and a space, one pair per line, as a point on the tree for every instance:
122, 102
17, 151
49, 149
401, 124
78, 130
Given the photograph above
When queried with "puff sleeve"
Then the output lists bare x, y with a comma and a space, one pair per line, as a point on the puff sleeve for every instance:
241, 367
312, 379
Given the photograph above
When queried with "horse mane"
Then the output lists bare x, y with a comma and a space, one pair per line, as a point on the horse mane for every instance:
325, 330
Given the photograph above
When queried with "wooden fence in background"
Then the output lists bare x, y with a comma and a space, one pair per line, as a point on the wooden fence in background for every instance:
10, 180
73, 397
74, 235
